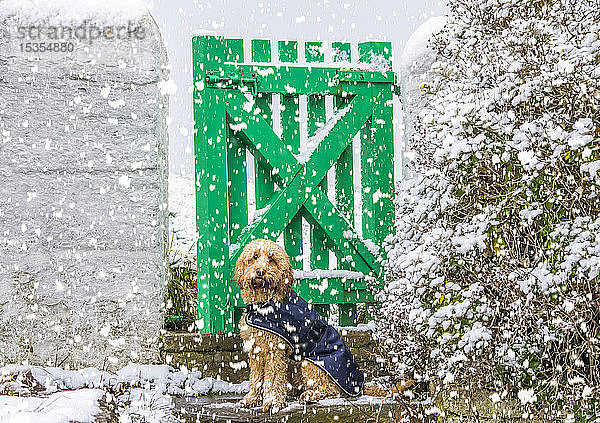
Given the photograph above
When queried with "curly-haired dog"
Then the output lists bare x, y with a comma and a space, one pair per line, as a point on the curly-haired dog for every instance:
288, 343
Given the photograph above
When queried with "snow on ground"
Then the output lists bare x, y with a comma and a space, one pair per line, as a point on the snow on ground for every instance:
161, 377
329, 402
136, 392
141, 392
81, 406
361, 327
146, 405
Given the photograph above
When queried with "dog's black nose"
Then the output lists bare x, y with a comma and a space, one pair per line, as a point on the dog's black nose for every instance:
260, 272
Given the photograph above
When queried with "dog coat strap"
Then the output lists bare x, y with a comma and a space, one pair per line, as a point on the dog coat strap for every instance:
309, 341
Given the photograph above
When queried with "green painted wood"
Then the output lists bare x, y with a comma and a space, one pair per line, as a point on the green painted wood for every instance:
344, 183
319, 253
261, 50
259, 137
382, 165
320, 210
347, 314
296, 79
322, 309
314, 52
234, 50
214, 287
341, 52
290, 78
264, 186
227, 123
366, 76
380, 48
344, 169
335, 226
287, 201
377, 149
236, 172
334, 294
290, 133
288, 51
236, 160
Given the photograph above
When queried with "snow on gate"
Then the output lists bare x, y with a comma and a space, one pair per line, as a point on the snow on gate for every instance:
83, 161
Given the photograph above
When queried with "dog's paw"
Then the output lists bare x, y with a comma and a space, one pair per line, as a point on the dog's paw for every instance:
250, 401
309, 396
273, 404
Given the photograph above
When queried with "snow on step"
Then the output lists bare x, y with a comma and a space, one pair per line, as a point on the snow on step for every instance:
323, 274
162, 378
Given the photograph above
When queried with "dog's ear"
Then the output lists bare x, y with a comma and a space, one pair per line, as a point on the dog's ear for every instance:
288, 275
239, 268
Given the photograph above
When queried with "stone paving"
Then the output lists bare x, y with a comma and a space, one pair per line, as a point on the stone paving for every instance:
224, 408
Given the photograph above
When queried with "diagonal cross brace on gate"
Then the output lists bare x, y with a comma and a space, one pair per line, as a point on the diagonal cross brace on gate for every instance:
232, 116
299, 181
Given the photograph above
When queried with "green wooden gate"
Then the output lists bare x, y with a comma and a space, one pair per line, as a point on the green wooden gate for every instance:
233, 111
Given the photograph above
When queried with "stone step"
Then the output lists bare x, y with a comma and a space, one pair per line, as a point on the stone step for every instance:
224, 408
222, 356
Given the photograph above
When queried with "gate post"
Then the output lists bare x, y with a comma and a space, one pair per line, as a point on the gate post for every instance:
210, 143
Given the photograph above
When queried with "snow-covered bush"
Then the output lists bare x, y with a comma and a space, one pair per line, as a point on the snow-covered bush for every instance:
495, 261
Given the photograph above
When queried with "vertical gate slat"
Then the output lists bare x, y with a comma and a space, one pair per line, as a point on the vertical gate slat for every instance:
313, 52
236, 172
236, 160
264, 187
288, 51
344, 183
319, 254
377, 161
211, 192
290, 133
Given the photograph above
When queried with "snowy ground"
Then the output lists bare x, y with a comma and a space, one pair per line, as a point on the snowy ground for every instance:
80, 405
135, 393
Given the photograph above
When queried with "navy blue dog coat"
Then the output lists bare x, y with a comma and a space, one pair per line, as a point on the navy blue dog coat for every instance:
311, 338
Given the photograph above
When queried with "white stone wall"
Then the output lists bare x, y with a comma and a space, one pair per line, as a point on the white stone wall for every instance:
83, 196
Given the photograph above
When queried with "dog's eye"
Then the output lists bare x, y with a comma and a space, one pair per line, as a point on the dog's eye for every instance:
255, 257
271, 259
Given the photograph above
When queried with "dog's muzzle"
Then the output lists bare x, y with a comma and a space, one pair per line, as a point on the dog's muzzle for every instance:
258, 282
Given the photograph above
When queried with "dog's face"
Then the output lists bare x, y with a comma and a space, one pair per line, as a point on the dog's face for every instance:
263, 272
